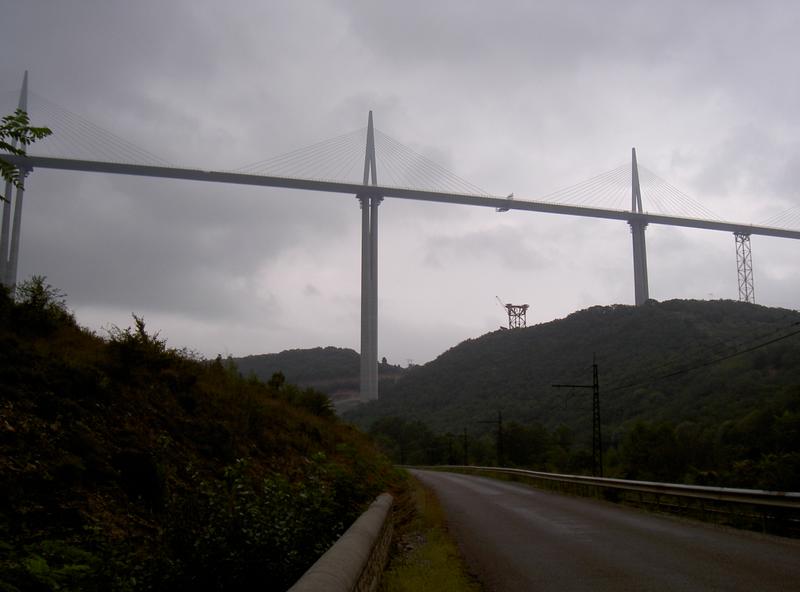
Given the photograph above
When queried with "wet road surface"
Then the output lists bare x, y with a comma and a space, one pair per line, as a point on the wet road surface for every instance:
517, 538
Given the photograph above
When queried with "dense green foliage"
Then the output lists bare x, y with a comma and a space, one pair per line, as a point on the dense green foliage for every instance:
127, 465
682, 398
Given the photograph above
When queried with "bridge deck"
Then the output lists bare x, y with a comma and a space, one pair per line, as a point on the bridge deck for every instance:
397, 192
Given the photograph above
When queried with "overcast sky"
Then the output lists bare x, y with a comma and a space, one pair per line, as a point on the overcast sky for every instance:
528, 97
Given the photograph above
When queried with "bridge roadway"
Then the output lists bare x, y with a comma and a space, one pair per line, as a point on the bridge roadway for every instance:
397, 192
517, 538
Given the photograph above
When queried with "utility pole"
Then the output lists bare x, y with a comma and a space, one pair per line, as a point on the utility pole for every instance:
466, 449
450, 458
499, 423
597, 437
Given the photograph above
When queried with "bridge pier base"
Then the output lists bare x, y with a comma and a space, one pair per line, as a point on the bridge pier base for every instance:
5, 232
10, 275
369, 297
640, 284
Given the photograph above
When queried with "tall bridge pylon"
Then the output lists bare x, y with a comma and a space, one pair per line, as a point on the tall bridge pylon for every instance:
638, 226
369, 271
10, 235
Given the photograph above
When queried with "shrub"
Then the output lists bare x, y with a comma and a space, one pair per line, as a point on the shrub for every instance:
41, 307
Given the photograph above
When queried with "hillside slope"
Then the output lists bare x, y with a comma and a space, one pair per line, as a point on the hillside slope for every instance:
334, 371
673, 362
125, 465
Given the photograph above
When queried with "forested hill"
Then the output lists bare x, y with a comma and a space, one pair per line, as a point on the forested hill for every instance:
304, 366
334, 371
672, 361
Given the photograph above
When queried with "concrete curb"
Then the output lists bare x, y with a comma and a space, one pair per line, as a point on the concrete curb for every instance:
356, 561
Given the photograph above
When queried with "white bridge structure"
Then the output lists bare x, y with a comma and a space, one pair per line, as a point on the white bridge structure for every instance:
577, 200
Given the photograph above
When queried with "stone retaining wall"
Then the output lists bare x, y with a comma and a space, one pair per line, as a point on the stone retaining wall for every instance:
356, 561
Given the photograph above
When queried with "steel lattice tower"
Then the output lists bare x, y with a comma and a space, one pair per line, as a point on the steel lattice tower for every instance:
516, 315
744, 266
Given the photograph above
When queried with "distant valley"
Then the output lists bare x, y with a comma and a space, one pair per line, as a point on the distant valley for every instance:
713, 386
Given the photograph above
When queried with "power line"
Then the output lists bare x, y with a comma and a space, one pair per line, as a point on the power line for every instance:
597, 438
707, 363
719, 345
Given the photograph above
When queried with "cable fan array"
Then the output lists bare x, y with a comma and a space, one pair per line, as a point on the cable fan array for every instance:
342, 159
612, 190
787, 219
77, 138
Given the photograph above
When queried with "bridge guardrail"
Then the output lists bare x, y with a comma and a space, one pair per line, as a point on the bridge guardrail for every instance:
768, 511
356, 561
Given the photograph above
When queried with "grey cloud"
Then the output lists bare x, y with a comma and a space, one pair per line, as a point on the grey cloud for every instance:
173, 246
516, 96
503, 244
756, 162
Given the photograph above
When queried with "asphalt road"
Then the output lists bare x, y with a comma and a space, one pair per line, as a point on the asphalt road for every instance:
517, 538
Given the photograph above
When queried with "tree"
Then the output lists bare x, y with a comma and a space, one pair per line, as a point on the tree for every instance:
525, 445
650, 452
41, 304
16, 134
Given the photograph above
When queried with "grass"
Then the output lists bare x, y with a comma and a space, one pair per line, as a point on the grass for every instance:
428, 558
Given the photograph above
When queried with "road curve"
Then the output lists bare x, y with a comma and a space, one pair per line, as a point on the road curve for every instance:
517, 538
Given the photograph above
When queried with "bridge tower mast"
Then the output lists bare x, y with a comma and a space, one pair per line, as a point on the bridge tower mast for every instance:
638, 225
9, 255
744, 267
369, 271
